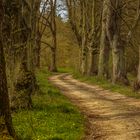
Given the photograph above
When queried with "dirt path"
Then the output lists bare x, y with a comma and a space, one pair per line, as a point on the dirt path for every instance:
111, 116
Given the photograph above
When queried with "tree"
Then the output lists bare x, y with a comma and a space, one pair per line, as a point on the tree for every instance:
52, 26
6, 128
133, 33
103, 66
20, 33
137, 82
117, 45
84, 26
47, 21
111, 38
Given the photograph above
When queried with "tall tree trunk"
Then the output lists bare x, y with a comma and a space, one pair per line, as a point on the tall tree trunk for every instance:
118, 51
53, 66
23, 86
138, 76
92, 65
25, 82
136, 85
83, 57
6, 128
119, 66
103, 66
37, 50
37, 32
84, 41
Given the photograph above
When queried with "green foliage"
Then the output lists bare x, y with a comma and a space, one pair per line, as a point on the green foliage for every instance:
67, 47
53, 117
65, 70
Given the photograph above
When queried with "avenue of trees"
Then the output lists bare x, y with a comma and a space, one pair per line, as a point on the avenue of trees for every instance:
106, 31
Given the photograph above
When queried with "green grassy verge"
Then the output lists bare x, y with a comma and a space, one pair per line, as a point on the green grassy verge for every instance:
125, 90
53, 117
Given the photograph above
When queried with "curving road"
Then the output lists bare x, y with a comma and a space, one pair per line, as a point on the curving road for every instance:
111, 116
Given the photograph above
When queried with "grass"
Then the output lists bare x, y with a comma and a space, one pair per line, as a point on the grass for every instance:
53, 117
125, 90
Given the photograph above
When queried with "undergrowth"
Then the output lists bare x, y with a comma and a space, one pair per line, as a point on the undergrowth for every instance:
53, 117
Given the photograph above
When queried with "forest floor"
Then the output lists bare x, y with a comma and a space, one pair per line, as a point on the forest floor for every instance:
111, 116
53, 116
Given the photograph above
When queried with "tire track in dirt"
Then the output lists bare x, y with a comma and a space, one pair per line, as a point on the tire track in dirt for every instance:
111, 116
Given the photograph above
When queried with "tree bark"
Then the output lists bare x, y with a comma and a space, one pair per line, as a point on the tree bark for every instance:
37, 50
6, 128
103, 66
53, 27
119, 69
25, 82
92, 65
53, 67
136, 85
84, 40
138, 77
92, 57
23, 86
118, 51
83, 60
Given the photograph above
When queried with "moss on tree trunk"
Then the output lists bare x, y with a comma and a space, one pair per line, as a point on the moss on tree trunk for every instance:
24, 87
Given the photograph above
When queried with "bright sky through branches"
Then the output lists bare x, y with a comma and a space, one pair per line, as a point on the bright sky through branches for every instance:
61, 9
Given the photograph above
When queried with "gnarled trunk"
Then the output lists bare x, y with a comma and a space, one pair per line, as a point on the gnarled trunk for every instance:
25, 82
119, 68
113, 33
23, 88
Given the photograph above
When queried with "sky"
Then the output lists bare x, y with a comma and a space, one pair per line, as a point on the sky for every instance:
61, 9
